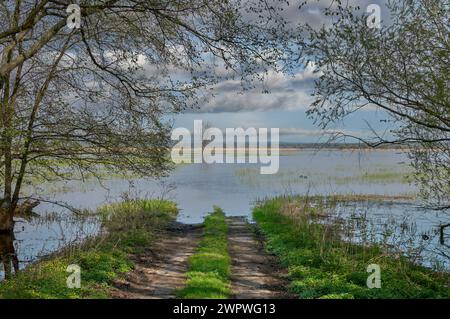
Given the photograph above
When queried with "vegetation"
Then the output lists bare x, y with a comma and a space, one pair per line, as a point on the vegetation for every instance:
209, 267
378, 175
129, 227
95, 101
373, 177
322, 265
79, 100
400, 68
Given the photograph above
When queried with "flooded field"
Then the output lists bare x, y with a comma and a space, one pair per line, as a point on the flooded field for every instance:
400, 227
235, 188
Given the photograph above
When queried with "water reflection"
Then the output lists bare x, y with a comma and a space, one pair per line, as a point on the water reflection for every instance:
8, 256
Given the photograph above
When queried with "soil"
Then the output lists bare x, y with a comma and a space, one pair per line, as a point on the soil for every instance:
255, 274
160, 270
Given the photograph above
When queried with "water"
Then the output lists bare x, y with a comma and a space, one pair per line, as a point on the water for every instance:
234, 187
401, 226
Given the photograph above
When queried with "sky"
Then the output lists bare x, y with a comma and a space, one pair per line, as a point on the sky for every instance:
289, 98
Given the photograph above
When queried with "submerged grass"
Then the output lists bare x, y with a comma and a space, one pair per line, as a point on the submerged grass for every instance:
379, 175
209, 267
129, 227
322, 265
376, 177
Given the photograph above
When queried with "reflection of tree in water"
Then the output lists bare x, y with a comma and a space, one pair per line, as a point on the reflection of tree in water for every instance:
8, 256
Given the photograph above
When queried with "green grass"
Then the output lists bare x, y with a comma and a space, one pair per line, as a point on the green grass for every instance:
381, 176
323, 266
129, 227
375, 175
209, 267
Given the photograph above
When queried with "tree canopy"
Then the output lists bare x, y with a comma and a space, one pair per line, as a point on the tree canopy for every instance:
74, 101
401, 68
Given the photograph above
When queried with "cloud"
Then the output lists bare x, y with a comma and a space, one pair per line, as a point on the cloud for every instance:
286, 93
279, 92
312, 13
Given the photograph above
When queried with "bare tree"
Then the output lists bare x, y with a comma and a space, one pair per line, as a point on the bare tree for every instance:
78, 101
401, 68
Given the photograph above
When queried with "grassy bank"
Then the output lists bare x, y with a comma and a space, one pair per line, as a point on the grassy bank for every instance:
128, 228
209, 267
322, 265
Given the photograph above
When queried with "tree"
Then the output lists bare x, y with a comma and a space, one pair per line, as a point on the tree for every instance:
401, 68
8, 255
81, 101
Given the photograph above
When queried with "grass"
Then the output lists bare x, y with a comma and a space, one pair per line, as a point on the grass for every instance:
381, 176
128, 228
375, 175
209, 267
321, 265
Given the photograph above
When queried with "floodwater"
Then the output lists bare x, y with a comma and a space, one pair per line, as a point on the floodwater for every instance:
233, 187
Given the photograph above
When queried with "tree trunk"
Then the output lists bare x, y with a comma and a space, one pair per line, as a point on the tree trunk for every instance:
8, 256
6, 220
442, 233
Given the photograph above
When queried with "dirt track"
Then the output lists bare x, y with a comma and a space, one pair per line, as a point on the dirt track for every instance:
254, 273
160, 270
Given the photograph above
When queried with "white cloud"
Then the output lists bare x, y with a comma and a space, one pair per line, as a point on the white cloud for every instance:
283, 93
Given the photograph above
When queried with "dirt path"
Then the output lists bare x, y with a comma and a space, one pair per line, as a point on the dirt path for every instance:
160, 270
254, 273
